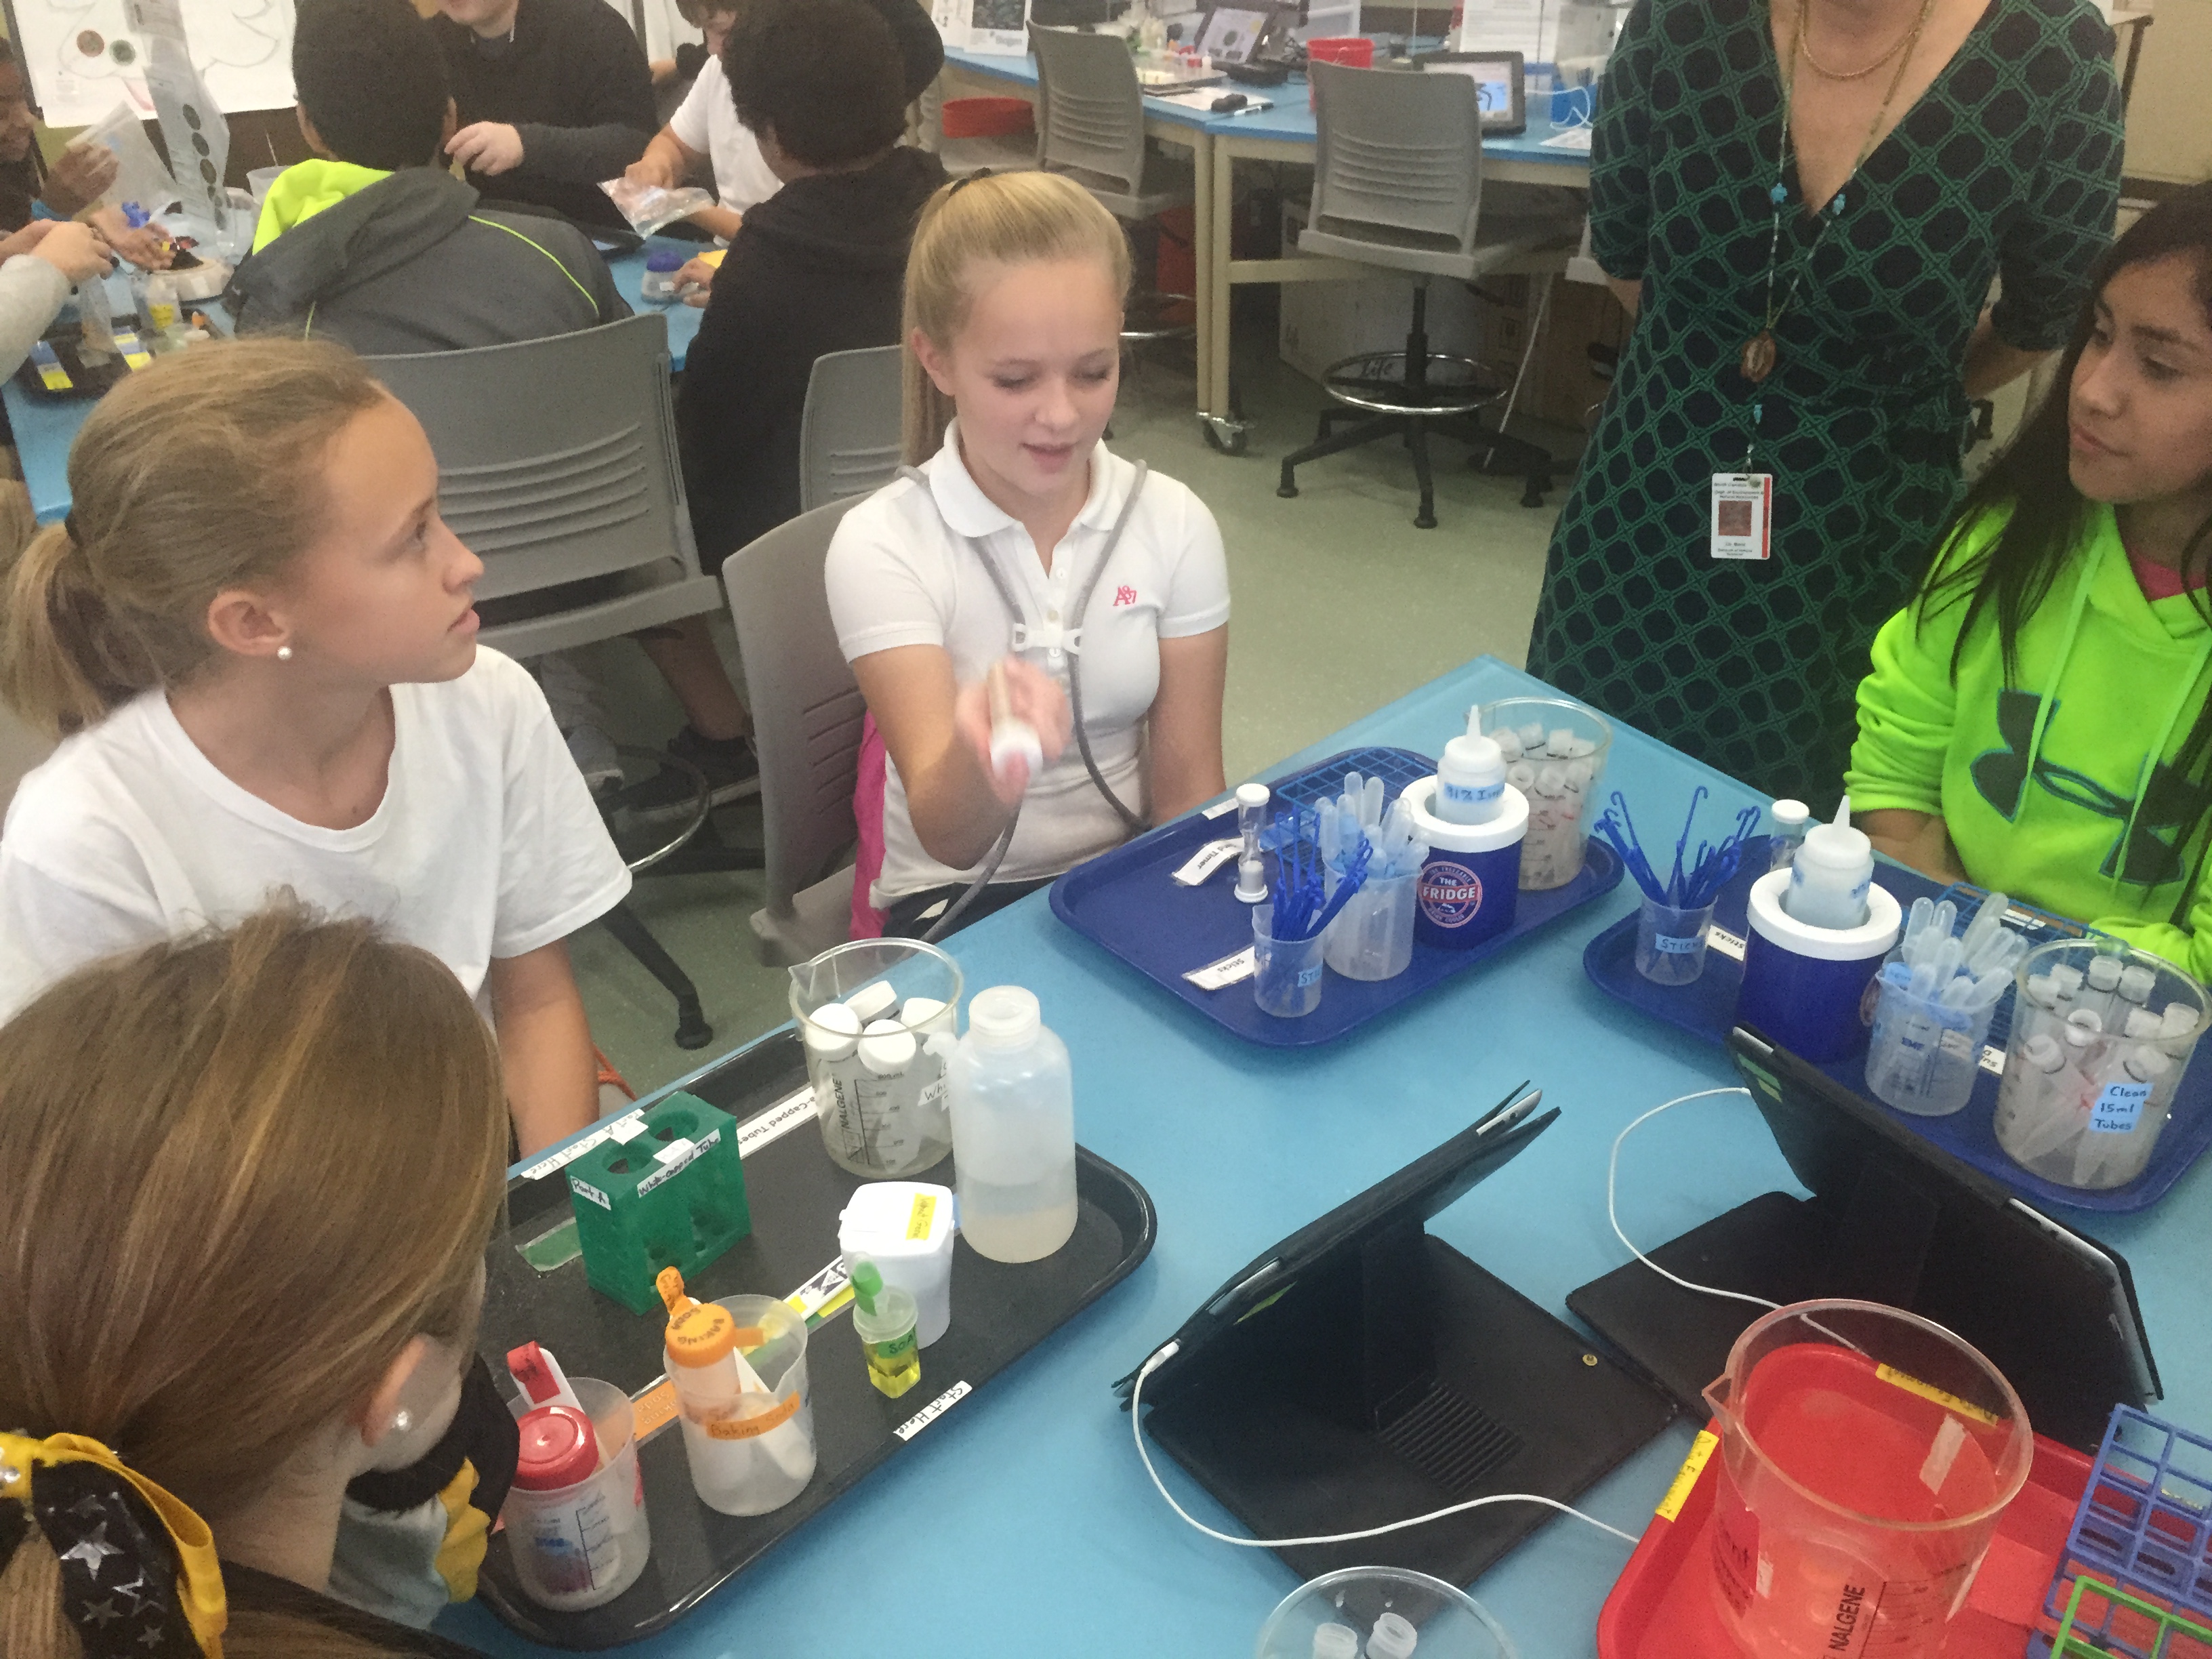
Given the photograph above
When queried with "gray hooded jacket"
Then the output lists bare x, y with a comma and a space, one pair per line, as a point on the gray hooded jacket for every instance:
415, 263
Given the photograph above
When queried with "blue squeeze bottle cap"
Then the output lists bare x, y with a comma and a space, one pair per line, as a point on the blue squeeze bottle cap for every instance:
663, 259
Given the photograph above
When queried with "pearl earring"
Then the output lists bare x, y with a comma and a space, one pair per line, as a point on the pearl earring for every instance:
402, 1421
283, 654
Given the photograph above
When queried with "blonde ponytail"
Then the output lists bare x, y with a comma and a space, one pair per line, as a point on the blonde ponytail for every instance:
1005, 218
195, 475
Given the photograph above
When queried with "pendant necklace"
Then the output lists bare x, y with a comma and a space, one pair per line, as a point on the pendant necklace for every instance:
1761, 352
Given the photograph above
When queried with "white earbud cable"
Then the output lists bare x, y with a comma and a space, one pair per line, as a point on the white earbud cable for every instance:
1136, 1428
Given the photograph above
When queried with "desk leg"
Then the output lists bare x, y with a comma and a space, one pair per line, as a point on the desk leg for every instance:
1202, 161
1223, 430
2128, 75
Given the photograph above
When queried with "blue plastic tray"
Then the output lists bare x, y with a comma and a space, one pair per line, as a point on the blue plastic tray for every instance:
1706, 1008
1125, 901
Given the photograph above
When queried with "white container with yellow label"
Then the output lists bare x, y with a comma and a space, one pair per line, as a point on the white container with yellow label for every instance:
906, 1228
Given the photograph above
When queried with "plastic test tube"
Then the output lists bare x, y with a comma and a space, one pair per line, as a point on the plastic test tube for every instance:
1251, 819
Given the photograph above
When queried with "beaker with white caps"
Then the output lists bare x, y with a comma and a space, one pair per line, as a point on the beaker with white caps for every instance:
1554, 752
2101, 1034
867, 1013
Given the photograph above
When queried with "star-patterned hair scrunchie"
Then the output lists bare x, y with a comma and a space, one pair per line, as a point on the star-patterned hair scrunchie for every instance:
139, 1574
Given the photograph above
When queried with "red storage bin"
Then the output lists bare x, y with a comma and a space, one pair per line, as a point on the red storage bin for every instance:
987, 118
1353, 51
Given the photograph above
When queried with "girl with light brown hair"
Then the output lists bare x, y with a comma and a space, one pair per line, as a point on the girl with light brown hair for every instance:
260, 638
1023, 551
216, 1322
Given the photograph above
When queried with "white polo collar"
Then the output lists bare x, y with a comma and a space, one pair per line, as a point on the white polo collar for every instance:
971, 513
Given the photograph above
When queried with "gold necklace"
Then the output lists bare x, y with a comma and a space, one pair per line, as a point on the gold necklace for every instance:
1760, 354
1805, 46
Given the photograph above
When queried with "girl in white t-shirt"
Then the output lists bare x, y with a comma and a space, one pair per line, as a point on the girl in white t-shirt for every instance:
1014, 293
257, 634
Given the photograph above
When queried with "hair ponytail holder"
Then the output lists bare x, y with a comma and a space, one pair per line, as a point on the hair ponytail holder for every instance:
138, 1568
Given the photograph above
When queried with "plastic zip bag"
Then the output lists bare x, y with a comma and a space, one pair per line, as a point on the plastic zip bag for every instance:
648, 207
140, 177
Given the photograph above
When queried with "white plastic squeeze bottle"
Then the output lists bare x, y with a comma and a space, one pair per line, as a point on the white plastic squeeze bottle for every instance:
1471, 777
1013, 1129
1831, 875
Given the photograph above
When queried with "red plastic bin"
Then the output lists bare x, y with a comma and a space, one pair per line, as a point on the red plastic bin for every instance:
1353, 51
987, 118
1661, 1607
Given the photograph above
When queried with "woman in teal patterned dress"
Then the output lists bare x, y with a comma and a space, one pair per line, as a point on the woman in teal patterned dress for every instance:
1996, 153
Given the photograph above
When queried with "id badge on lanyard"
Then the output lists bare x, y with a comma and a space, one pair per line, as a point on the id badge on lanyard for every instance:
1743, 516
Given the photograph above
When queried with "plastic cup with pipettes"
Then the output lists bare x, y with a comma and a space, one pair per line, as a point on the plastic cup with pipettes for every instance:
1286, 980
1671, 942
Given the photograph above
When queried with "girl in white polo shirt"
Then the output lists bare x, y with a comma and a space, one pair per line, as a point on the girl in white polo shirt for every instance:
1014, 294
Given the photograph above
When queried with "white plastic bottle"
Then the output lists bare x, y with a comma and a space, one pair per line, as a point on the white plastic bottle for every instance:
1470, 777
1831, 875
1013, 1129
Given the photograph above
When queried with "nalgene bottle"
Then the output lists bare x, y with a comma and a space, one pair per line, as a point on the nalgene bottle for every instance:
1013, 1129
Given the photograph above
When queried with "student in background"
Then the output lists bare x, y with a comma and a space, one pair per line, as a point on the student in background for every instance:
2038, 719
251, 1264
33, 191
1014, 296
259, 636
705, 128
554, 96
815, 268
375, 244
706, 125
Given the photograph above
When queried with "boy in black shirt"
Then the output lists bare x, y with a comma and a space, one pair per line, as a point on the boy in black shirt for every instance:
553, 96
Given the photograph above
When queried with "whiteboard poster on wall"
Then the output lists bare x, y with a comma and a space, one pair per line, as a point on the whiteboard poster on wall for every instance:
84, 56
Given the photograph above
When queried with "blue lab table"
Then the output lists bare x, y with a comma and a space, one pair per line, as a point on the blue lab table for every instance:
44, 430
1020, 1522
1282, 133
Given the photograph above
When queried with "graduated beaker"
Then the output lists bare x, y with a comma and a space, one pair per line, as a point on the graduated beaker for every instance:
865, 1013
1866, 1454
2101, 1034
1555, 753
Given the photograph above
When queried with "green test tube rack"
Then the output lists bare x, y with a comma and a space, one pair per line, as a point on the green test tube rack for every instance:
2103, 1621
670, 1194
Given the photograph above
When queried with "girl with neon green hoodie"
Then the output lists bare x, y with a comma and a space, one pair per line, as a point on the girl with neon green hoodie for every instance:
2037, 720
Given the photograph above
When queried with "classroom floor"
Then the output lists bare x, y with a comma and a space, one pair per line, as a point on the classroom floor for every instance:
1340, 606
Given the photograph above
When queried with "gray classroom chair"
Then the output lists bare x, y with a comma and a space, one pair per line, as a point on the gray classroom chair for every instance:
1090, 126
807, 711
849, 436
1398, 183
558, 465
